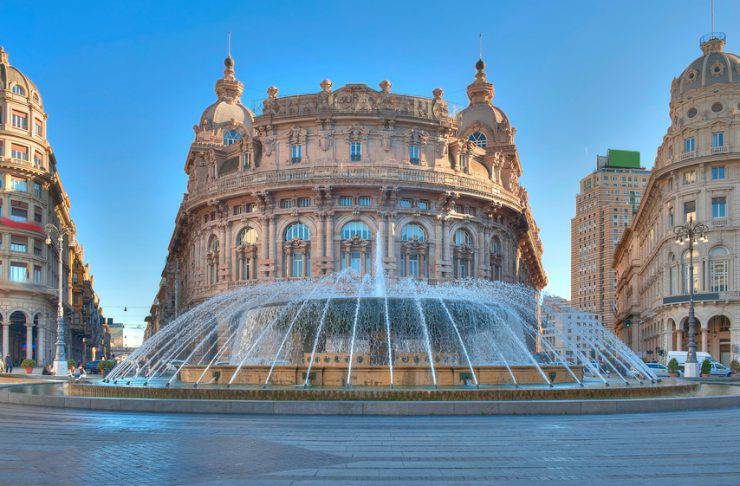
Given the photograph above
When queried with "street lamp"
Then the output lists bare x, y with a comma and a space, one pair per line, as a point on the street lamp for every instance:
691, 233
60, 355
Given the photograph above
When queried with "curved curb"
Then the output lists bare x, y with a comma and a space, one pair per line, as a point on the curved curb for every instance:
275, 407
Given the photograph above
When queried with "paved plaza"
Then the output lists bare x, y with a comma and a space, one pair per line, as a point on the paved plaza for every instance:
57, 446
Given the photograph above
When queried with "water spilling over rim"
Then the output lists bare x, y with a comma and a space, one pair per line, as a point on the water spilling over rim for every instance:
351, 330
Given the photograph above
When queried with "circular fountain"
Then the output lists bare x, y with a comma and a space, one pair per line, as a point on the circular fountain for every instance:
347, 330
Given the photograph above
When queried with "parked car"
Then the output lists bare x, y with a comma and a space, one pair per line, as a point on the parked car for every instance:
661, 371
718, 369
682, 355
92, 367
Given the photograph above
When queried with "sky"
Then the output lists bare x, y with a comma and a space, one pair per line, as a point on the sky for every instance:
123, 84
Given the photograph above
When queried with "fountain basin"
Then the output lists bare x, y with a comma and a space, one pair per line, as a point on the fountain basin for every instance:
378, 375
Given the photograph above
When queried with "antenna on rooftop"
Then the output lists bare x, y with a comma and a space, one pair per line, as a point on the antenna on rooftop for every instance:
480, 45
711, 11
228, 41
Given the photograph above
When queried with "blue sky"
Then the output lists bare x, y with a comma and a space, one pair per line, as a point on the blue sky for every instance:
124, 83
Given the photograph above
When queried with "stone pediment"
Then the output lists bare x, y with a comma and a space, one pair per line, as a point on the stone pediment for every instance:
360, 99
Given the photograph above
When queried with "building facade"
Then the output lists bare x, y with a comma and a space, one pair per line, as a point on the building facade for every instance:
570, 332
695, 179
607, 199
32, 196
312, 184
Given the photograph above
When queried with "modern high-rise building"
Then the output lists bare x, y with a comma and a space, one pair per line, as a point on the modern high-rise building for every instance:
605, 204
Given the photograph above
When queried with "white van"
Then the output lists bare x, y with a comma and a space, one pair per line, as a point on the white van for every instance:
681, 357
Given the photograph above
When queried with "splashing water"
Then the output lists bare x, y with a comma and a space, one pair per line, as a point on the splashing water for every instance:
374, 321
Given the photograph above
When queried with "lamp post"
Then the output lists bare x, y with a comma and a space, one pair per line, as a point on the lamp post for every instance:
691, 233
60, 354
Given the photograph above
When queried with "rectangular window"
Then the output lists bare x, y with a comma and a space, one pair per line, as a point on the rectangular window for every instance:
422, 204
38, 248
414, 154
37, 275
19, 244
346, 201
19, 184
20, 119
718, 139
247, 160
405, 203
718, 172
719, 275
365, 201
250, 207
18, 272
237, 210
295, 153
286, 203
689, 145
304, 202
689, 177
18, 152
719, 207
18, 211
355, 151
38, 160
37, 189
38, 128
689, 211
37, 215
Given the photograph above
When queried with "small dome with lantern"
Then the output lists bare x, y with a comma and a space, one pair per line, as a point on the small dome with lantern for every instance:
714, 67
17, 83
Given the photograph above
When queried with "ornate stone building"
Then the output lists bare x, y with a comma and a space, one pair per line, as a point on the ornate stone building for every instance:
695, 178
312, 184
31, 196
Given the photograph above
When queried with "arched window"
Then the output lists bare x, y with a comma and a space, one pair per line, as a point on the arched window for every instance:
719, 269
212, 259
356, 237
297, 231
413, 231
479, 139
246, 254
18, 89
297, 250
685, 264
413, 251
231, 137
496, 258
247, 236
463, 254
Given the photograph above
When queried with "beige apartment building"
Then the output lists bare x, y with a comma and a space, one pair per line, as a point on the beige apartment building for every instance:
316, 182
32, 196
695, 179
605, 204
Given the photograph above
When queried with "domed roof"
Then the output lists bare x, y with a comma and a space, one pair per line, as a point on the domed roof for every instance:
714, 67
229, 108
481, 111
11, 76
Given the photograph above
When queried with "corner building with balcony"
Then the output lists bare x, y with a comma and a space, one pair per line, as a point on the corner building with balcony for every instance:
695, 178
32, 196
316, 181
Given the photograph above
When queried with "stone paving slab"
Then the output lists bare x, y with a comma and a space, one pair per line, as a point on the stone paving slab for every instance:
99, 447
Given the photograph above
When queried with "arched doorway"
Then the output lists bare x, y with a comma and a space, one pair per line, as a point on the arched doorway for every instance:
17, 337
718, 330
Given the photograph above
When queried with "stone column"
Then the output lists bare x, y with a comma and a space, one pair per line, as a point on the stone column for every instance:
271, 245
330, 242
704, 339
41, 346
679, 341
6, 340
29, 341
438, 228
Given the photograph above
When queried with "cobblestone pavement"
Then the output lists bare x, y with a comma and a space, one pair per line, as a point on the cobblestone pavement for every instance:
57, 446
